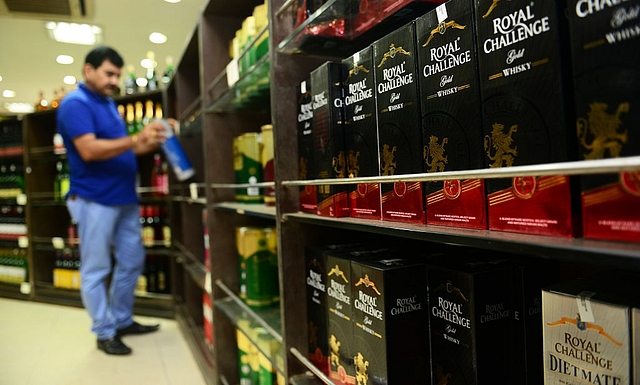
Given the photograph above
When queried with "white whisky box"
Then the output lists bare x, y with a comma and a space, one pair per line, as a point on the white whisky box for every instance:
586, 336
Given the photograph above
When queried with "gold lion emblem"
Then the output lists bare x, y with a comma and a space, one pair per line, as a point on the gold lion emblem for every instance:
339, 165
353, 164
442, 28
361, 365
435, 152
604, 128
393, 50
493, 6
388, 164
501, 142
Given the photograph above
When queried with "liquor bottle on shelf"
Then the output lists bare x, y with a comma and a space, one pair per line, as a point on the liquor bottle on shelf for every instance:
159, 176
148, 112
130, 119
166, 226
56, 99
138, 117
72, 234
168, 73
61, 182
158, 111
58, 144
11, 181
130, 85
152, 78
148, 232
42, 104
157, 225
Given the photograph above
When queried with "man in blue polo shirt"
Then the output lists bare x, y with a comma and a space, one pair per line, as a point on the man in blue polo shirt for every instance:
102, 197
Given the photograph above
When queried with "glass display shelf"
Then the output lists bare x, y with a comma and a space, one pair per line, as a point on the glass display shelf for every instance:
257, 210
232, 91
250, 321
338, 28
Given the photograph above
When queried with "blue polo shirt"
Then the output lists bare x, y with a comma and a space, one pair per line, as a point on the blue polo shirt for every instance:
111, 181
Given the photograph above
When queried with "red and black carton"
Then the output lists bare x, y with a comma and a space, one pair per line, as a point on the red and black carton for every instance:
588, 329
390, 314
362, 143
399, 127
470, 320
451, 114
529, 278
329, 138
317, 310
605, 42
525, 81
306, 163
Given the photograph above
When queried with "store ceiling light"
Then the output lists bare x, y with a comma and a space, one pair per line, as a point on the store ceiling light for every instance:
70, 80
64, 59
19, 108
9, 94
173, 1
157, 38
74, 33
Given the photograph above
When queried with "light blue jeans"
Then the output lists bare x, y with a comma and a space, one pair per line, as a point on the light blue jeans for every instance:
105, 231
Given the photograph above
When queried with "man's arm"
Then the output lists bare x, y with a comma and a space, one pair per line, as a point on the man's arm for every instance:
91, 148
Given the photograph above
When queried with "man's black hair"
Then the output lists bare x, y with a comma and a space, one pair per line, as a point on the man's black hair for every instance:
99, 54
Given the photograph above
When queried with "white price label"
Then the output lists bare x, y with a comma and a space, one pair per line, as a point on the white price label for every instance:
193, 190
23, 242
25, 288
57, 242
233, 75
207, 282
21, 199
441, 13
584, 306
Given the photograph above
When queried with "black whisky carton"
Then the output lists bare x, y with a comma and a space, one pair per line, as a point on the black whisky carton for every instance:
329, 138
362, 143
390, 314
317, 310
306, 162
451, 114
605, 44
340, 311
399, 127
636, 344
470, 320
525, 80
530, 276
587, 329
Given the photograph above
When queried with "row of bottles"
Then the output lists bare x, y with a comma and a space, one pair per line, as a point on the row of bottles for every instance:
43, 104
66, 272
12, 222
155, 278
155, 226
150, 82
137, 115
246, 49
13, 265
11, 180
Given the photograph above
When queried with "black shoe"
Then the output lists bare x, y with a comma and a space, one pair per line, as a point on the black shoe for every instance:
113, 345
136, 328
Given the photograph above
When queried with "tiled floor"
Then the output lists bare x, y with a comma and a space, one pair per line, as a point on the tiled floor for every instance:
43, 344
